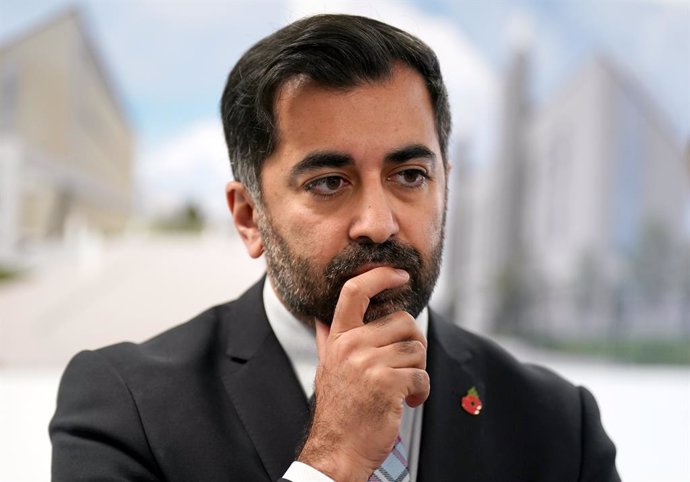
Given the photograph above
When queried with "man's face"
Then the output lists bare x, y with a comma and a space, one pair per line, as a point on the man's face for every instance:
357, 181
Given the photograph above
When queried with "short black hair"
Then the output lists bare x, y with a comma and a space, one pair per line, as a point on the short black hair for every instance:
336, 51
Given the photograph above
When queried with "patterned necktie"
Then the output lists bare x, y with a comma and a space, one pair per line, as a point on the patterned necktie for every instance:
394, 468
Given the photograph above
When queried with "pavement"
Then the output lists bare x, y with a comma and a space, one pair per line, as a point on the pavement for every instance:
129, 288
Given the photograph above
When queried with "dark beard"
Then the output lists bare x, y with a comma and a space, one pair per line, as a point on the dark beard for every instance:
311, 293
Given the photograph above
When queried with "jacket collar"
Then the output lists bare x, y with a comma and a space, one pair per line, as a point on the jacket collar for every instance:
261, 384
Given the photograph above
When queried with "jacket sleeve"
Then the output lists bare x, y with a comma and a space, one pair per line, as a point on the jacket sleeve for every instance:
96, 431
598, 451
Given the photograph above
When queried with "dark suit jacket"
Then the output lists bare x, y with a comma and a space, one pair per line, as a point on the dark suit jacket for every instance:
215, 399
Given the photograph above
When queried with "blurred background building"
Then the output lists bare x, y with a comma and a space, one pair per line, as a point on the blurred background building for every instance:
66, 149
578, 228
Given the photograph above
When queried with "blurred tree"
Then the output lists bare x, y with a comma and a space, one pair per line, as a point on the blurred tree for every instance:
516, 299
189, 218
654, 264
589, 285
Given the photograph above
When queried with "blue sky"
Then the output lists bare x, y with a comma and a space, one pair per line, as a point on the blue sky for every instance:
651, 39
169, 60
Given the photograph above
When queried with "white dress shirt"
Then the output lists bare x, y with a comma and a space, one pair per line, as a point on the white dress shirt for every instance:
299, 343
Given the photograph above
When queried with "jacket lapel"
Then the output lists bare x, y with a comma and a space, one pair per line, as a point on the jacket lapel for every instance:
450, 445
262, 385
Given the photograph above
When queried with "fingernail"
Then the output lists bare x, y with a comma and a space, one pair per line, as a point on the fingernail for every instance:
402, 272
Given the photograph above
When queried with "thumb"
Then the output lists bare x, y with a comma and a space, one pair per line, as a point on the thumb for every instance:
322, 332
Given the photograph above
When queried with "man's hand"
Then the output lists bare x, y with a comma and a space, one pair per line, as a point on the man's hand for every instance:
365, 373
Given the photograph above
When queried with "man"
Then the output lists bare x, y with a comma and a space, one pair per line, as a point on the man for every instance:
337, 129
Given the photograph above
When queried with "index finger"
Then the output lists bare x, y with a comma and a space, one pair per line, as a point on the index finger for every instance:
358, 290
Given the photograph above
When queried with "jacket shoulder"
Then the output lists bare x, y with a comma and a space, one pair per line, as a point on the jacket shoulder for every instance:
198, 340
125, 410
495, 363
182, 343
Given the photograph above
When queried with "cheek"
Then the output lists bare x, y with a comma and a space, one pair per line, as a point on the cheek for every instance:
319, 240
424, 226
425, 235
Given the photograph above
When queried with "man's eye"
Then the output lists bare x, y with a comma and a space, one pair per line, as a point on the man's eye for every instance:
326, 186
411, 177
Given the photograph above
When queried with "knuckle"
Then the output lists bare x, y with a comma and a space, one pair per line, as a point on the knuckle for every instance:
400, 320
347, 344
409, 323
420, 380
409, 317
352, 287
404, 317
381, 377
356, 363
380, 323
417, 335
411, 347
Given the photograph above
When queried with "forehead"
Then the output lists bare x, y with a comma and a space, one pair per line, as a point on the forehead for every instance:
367, 119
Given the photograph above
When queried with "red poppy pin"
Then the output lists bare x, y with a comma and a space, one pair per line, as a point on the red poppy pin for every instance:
471, 402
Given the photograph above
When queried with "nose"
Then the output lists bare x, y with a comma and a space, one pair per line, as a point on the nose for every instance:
374, 217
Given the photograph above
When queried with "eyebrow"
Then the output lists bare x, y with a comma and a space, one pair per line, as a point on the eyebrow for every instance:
413, 151
334, 159
319, 160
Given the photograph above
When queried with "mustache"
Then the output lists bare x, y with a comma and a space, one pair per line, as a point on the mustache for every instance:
393, 253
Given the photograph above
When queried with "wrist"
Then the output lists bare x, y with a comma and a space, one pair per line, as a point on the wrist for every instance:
338, 463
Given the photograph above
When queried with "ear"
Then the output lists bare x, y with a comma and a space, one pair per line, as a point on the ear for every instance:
243, 211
